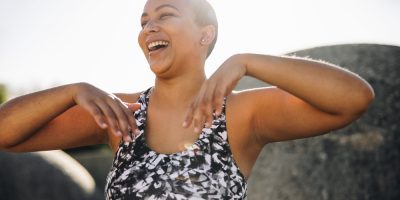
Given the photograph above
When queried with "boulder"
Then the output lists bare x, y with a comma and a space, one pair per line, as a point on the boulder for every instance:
45, 175
360, 161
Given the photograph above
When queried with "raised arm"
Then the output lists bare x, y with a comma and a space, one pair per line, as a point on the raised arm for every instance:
310, 97
63, 117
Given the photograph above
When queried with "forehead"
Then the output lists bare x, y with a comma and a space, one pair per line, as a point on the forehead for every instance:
154, 5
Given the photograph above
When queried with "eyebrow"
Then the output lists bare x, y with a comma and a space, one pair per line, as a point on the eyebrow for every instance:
162, 6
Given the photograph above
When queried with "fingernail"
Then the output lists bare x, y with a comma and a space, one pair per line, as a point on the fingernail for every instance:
103, 125
196, 130
119, 133
185, 124
128, 138
137, 131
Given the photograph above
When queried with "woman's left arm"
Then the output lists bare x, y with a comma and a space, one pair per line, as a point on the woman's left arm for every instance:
307, 92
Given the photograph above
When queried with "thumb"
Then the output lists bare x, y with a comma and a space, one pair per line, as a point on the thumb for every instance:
133, 106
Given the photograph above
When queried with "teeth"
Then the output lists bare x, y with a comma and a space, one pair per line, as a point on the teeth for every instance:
157, 43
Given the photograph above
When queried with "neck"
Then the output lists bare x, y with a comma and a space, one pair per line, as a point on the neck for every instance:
177, 92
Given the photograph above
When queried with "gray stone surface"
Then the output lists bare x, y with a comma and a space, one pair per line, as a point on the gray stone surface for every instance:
45, 176
97, 162
361, 161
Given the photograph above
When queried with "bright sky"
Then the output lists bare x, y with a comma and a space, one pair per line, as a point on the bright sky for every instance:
51, 42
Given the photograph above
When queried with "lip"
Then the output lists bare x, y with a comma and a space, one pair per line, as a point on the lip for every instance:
151, 53
150, 40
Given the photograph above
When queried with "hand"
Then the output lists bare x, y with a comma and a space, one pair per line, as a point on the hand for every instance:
211, 96
108, 111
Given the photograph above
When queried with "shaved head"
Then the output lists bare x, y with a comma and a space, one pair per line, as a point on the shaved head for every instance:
205, 15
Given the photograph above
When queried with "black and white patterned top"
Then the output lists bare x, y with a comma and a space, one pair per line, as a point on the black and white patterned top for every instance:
205, 170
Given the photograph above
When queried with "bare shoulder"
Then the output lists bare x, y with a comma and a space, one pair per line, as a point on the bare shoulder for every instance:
128, 97
240, 108
248, 101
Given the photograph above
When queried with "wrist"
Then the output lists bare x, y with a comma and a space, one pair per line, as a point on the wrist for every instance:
74, 89
242, 60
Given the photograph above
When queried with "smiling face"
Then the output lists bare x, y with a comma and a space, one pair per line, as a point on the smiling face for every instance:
170, 38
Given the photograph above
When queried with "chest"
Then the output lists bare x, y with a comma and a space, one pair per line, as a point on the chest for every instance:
164, 132
155, 166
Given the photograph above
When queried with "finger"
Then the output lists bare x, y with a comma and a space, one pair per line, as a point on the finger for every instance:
190, 114
218, 102
201, 115
208, 116
207, 108
133, 131
194, 106
110, 117
133, 106
97, 115
198, 122
132, 121
122, 116
188, 118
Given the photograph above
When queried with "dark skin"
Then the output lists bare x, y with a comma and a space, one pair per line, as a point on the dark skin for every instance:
310, 98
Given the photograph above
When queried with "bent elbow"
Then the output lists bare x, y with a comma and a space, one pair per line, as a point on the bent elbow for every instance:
6, 144
5, 147
8, 138
365, 98
368, 96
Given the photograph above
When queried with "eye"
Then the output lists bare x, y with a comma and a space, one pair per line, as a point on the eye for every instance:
165, 15
143, 23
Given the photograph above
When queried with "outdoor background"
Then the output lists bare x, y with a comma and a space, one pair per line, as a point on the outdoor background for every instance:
44, 43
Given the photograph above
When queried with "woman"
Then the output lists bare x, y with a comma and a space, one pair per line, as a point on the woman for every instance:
190, 137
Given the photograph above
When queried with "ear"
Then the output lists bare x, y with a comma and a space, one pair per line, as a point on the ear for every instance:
208, 35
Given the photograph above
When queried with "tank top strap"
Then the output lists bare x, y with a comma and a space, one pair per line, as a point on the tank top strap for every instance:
220, 121
141, 114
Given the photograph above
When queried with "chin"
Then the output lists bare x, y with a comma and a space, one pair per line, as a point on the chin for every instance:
159, 69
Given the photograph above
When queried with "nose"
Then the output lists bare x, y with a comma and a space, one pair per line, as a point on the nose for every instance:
151, 26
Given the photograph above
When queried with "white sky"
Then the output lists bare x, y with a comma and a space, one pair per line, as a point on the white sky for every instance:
51, 42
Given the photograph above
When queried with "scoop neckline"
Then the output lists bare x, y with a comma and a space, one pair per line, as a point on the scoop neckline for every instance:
145, 97
196, 144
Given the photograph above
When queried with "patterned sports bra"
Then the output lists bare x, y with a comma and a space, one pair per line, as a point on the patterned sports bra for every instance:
205, 170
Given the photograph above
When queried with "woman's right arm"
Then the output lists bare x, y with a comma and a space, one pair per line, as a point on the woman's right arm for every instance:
63, 117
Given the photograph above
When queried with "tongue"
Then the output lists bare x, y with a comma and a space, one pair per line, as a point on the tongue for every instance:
158, 48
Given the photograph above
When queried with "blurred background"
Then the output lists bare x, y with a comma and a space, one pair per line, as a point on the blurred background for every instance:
45, 43
50, 42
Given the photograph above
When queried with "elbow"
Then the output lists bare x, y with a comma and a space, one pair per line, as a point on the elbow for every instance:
368, 96
6, 144
363, 99
5, 147
7, 138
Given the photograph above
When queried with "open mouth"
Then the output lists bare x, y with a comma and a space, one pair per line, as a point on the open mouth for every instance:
153, 46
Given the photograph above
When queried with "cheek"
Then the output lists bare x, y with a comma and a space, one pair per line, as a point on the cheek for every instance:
186, 38
141, 42
140, 39
191, 44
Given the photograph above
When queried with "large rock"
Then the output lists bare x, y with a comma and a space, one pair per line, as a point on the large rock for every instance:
97, 160
45, 176
361, 161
